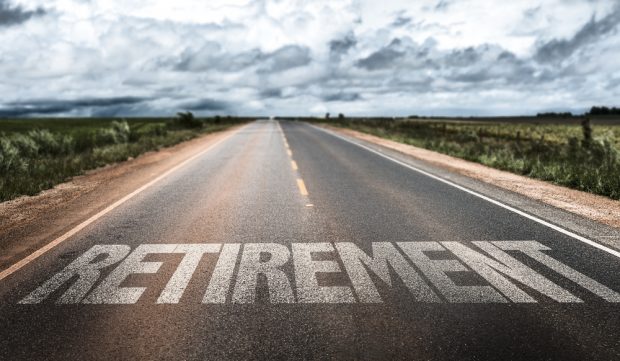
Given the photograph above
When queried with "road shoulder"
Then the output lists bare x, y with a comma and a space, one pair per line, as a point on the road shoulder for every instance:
29, 222
583, 213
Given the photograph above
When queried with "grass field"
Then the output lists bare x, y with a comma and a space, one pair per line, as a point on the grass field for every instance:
36, 154
581, 157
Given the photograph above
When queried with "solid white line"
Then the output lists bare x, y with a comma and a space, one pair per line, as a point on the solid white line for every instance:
474, 193
38, 253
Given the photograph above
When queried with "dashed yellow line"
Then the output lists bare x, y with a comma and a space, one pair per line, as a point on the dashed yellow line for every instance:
300, 182
302, 187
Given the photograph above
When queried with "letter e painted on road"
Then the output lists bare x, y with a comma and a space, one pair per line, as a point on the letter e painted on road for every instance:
436, 270
308, 289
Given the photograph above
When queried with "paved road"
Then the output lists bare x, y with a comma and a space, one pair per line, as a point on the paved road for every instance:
285, 242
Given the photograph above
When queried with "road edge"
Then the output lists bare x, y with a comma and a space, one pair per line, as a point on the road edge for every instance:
68, 232
585, 229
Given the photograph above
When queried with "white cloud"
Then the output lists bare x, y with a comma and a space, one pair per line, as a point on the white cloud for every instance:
295, 57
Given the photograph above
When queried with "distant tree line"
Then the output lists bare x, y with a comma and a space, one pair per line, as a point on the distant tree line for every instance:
555, 115
604, 111
593, 111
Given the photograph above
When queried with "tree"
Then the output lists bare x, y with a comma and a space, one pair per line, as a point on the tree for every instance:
187, 120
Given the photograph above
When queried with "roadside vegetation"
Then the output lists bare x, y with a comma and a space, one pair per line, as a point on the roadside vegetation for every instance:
36, 154
580, 156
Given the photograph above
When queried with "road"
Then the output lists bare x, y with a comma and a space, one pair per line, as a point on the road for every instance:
286, 242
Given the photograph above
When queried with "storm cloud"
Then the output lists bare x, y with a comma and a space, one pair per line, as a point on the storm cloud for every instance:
97, 106
591, 32
297, 58
16, 14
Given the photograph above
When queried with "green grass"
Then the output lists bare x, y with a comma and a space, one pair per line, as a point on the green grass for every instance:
558, 153
36, 154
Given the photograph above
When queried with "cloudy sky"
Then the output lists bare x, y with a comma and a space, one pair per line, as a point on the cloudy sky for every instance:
358, 57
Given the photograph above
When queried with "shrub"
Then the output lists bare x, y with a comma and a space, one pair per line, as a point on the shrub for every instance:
25, 145
51, 144
117, 133
10, 159
186, 120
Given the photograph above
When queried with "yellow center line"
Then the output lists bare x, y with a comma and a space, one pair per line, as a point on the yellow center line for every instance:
302, 187
300, 182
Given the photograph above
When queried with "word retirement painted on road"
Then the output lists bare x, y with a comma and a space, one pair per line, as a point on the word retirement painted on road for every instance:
293, 274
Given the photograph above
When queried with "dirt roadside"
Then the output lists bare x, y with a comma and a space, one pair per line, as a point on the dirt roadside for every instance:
594, 207
29, 222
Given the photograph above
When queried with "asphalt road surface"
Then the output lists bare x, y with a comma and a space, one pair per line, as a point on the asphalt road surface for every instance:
286, 242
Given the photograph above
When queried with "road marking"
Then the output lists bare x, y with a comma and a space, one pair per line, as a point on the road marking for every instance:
300, 183
302, 187
309, 205
41, 251
489, 273
479, 195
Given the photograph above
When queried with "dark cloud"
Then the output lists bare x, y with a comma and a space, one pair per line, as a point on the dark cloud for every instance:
51, 107
463, 57
13, 15
271, 93
442, 5
341, 97
205, 105
339, 47
382, 58
210, 58
287, 57
401, 21
590, 33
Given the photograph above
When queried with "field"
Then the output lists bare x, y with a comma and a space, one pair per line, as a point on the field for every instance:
584, 157
36, 154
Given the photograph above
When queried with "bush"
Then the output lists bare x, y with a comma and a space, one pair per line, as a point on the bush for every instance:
25, 145
51, 144
10, 159
186, 120
118, 133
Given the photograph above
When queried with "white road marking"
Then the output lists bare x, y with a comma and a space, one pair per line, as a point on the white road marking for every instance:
87, 271
271, 262
479, 195
498, 269
533, 250
110, 291
437, 272
251, 267
308, 289
357, 263
222, 275
38, 253
181, 277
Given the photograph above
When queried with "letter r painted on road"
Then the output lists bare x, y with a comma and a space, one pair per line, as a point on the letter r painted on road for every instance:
111, 292
87, 271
